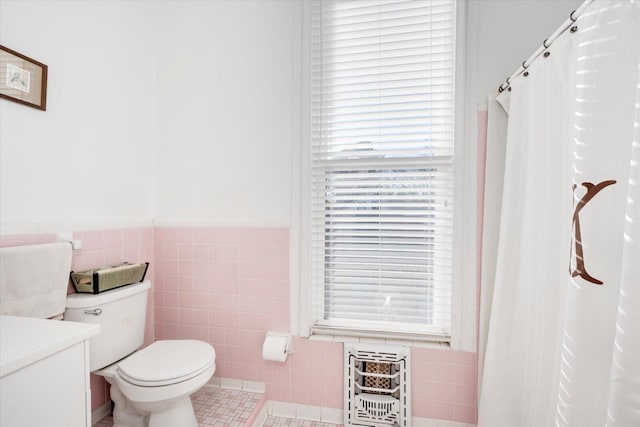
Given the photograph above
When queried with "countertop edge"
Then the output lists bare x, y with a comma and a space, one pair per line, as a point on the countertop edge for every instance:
37, 339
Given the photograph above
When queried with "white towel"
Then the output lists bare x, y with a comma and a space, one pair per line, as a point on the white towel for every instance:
34, 278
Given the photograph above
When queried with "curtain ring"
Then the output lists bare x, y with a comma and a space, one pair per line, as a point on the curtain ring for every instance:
544, 43
524, 67
571, 16
508, 80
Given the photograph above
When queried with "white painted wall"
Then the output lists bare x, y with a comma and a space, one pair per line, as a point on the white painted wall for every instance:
225, 105
508, 32
183, 111
87, 160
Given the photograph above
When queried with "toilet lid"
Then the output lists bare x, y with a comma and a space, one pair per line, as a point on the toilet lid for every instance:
167, 362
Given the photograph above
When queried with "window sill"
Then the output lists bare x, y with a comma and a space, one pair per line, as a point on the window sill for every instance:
326, 333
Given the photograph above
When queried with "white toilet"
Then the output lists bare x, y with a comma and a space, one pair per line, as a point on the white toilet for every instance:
150, 387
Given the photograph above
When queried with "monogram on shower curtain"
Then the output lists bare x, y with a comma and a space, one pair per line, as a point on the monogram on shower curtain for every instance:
563, 346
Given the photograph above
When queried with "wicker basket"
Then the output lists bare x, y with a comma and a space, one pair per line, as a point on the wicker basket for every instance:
106, 278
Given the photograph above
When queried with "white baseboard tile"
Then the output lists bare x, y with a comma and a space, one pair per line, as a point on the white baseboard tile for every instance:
332, 415
100, 413
281, 409
231, 383
308, 412
430, 422
305, 412
235, 384
214, 381
253, 387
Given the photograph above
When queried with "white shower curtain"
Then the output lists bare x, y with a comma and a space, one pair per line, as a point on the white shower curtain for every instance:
563, 346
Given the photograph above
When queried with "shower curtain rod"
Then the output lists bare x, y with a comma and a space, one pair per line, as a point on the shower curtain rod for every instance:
546, 43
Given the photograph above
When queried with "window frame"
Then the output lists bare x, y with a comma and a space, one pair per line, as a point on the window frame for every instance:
464, 285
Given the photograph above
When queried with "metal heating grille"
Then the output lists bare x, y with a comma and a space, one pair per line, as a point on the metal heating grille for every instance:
377, 385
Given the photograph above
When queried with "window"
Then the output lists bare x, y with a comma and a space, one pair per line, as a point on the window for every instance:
382, 167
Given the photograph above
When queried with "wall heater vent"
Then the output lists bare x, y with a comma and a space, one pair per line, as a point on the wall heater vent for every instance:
377, 385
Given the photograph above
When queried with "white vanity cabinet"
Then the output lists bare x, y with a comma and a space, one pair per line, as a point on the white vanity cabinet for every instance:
44, 372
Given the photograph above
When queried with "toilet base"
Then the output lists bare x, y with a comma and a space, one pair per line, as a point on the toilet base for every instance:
124, 413
176, 412
179, 413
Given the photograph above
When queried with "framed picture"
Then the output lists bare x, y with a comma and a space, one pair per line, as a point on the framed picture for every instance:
22, 79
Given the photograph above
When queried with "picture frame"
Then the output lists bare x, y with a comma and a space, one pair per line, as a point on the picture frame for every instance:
22, 79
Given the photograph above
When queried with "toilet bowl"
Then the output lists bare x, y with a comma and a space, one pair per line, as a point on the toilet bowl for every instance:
150, 387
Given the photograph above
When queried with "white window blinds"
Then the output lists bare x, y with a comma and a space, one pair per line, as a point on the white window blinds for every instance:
382, 164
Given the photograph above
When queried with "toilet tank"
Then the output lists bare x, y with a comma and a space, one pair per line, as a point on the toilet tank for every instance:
121, 314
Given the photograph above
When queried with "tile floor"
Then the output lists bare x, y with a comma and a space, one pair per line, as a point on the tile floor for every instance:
217, 407
224, 407
220, 407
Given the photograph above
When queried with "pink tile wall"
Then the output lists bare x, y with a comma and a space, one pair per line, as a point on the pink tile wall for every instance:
228, 286
312, 375
100, 248
444, 384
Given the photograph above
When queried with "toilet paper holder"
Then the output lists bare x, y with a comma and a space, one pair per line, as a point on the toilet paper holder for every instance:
282, 340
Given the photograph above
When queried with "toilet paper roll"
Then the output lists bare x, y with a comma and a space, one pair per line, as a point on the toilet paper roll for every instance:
275, 348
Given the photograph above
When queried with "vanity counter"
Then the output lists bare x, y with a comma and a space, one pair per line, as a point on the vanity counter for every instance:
24, 340
44, 372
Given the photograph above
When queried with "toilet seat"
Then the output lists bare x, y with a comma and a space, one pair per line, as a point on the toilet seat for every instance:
166, 362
